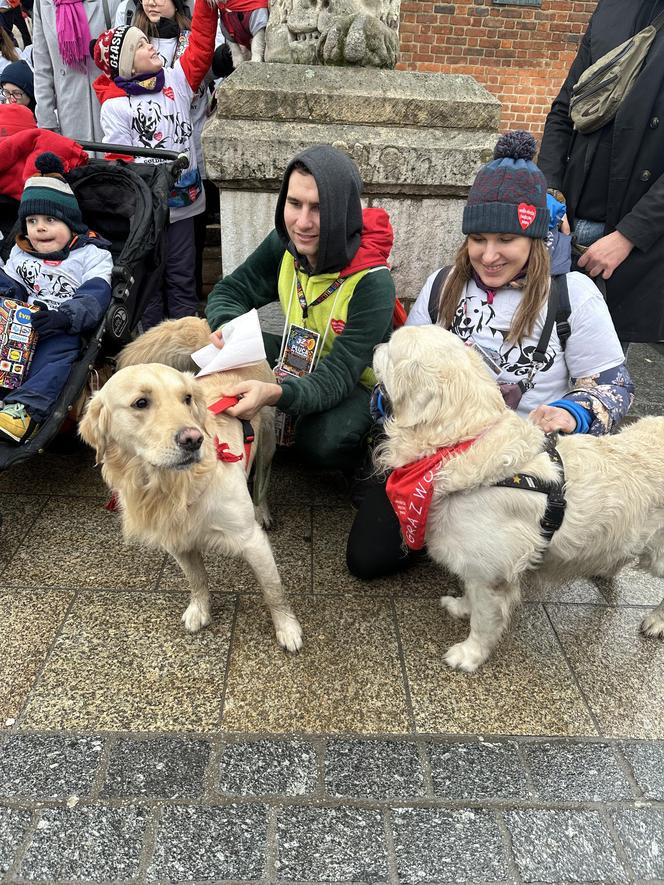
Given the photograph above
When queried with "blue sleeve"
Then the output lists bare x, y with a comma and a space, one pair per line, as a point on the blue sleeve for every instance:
607, 398
8, 286
577, 411
88, 305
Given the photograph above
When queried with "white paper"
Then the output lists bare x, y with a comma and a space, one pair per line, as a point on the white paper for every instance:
243, 346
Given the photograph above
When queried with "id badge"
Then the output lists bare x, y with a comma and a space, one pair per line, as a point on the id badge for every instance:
298, 359
491, 357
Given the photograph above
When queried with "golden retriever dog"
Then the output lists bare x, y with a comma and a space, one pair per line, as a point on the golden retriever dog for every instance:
157, 443
490, 536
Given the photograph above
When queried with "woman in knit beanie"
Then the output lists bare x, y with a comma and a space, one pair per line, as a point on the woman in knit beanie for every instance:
495, 297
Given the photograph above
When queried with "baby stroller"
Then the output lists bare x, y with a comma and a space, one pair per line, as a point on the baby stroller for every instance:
127, 204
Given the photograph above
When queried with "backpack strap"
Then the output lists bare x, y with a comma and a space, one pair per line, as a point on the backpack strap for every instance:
557, 311
437, 291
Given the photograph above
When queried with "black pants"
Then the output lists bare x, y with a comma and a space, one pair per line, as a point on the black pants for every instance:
375, 548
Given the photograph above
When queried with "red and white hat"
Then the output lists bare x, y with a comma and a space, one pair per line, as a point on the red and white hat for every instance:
114, 51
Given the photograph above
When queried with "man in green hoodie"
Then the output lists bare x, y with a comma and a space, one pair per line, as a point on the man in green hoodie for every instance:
326, 263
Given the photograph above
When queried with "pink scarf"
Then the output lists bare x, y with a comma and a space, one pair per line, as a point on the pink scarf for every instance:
73, 32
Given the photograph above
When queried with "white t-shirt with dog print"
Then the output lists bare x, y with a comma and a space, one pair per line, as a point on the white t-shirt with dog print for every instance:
592, 346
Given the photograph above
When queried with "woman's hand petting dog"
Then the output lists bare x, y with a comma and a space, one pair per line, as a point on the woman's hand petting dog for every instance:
552, 419
253, 396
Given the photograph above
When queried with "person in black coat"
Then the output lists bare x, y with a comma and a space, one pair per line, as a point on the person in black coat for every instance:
613, 179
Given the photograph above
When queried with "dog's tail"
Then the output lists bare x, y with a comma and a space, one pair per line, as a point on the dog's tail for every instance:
171, 343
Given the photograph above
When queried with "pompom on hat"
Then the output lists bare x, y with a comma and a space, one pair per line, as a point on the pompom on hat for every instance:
49, 194
508, 195
113, 51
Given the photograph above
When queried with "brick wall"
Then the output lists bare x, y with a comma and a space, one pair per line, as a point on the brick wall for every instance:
520, 53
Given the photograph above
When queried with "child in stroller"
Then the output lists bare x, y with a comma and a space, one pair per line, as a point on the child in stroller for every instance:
63, 268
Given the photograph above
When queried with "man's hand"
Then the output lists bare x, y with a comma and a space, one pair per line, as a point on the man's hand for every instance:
254, 395
552, 418
217, 339
606, 254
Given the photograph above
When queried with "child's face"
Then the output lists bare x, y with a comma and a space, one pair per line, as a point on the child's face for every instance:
14, 95
146, 58
47, 234
156, 9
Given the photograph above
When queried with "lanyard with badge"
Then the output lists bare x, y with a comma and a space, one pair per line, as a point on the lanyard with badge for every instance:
300, 349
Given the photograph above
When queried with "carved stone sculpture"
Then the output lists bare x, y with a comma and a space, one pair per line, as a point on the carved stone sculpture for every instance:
364, 33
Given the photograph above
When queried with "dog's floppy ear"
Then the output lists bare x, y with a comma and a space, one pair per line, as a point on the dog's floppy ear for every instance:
200, 408
415, 393
95, 427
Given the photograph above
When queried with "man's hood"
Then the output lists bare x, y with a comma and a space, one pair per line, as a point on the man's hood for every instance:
339, 188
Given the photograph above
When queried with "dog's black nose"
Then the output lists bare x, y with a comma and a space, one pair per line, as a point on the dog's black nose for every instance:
190, 439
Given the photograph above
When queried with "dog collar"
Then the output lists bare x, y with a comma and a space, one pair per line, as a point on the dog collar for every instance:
248, 435
410, 489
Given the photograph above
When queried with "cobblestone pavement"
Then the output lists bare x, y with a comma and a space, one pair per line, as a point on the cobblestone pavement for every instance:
131, 752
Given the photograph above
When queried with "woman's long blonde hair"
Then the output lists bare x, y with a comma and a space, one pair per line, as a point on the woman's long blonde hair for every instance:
7, 48
534, 294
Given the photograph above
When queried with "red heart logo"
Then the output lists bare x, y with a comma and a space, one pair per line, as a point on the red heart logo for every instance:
168, 92
158, 136
526, 214
338, 326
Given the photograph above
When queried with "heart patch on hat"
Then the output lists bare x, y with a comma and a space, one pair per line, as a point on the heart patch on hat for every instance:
526, 214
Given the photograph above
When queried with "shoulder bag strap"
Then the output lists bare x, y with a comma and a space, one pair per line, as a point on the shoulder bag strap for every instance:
437, 291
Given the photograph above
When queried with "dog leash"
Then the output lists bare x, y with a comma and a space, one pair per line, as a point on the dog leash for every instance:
554, 491
248, 435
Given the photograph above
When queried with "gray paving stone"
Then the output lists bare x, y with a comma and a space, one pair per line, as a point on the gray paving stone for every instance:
447, 846
158, 768
330, 844
647, 761
563, 846
577, 772
267, 767
48, 766
87, 842
477, 770
641, 832
373, 769
210, 843
14, 823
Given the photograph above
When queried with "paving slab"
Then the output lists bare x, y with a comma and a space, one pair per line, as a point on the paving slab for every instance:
370, 769
641, 832
447, 846
48, 766
81, 547
563, 846
631, 587
330, 686
620, 672
29, 622
268, 767
89, 842
14, 824
70, 472
526, 687
584, 772
19, 513
330, 844
646, 759
124, 662
475, 770
198, 843
156, 768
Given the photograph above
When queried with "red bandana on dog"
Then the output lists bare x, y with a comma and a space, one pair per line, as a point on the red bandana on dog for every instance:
410, 489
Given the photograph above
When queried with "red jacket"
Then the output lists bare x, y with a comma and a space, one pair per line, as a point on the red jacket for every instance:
18, 153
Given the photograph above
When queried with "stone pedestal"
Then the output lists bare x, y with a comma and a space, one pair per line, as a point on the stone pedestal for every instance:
418, 140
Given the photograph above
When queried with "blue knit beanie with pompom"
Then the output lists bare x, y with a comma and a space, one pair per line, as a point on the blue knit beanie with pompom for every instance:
47, 193
508, 195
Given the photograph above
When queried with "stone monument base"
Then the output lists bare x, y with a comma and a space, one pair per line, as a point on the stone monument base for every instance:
418, 140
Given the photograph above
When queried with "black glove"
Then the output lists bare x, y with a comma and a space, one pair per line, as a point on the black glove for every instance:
222, 61
48, 322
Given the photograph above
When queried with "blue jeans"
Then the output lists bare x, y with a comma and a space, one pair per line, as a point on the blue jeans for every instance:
587, 232
47, 375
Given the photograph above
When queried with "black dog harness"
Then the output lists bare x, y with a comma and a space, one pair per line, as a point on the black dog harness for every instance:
554, 491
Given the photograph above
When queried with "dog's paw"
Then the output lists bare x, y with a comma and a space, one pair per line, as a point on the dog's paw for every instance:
653, 624
289, 632
195, 617
263, 516
456, 606
466, 656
